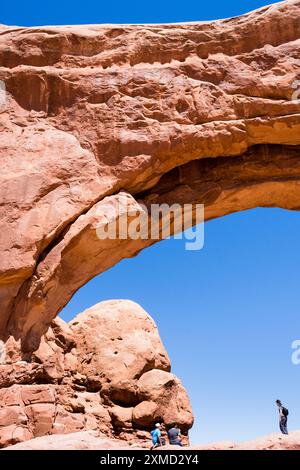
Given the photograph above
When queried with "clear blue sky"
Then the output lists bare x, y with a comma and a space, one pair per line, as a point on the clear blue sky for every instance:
37, 12
228, 313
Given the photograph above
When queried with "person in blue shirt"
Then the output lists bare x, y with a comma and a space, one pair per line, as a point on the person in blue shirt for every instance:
174, 436
157, 440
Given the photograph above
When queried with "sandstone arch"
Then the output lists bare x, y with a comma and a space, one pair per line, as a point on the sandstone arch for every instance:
196, 112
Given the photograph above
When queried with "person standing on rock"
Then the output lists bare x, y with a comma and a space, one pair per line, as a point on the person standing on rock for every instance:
157, 440
283, 414
174, 436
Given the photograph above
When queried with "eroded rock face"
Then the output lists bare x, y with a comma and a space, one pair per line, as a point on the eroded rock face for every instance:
106, 371
196, 112
89, 440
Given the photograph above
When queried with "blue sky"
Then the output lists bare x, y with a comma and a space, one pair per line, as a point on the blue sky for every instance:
35, 12
227, 314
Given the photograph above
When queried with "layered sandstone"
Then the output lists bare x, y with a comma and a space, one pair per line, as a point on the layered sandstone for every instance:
106, 371
196, 112
89, 440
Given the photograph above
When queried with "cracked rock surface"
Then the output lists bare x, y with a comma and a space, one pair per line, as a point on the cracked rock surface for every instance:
200, 112
106, 371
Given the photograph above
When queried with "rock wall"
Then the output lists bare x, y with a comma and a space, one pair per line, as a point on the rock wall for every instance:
106, 371
196, 112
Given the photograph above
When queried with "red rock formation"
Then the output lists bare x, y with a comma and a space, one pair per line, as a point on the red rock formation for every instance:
195, 112
89, 440
105, 371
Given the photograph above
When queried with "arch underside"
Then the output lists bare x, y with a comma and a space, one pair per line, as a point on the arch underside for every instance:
206, 113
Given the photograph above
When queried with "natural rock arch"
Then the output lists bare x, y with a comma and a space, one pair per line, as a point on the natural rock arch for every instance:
195, 112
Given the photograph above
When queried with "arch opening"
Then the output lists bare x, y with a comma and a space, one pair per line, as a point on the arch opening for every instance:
227, 315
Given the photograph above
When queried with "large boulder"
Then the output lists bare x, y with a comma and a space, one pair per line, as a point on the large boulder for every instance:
106, 371
169, 396
118, 342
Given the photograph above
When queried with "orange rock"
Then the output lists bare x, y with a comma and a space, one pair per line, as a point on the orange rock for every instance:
92, 441
167, 392
117, 341
145, 413
32, 394
41, 417
13, 434
12, 415
67, 422
92, 374
191, 113
121, 417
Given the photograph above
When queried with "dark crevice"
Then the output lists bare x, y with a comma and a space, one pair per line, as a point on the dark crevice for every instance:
214, 170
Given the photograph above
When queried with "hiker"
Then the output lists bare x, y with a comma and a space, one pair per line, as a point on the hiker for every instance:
157, 440
174, 436
283, 414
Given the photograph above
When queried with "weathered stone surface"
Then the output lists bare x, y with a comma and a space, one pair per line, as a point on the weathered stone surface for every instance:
195, 112
93, 375
118, 342
37, 394
11, 396
66, 423
84, 440
92, 441
14, 434
167, 392
121, 417
12, 415
144, 413
41, 417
